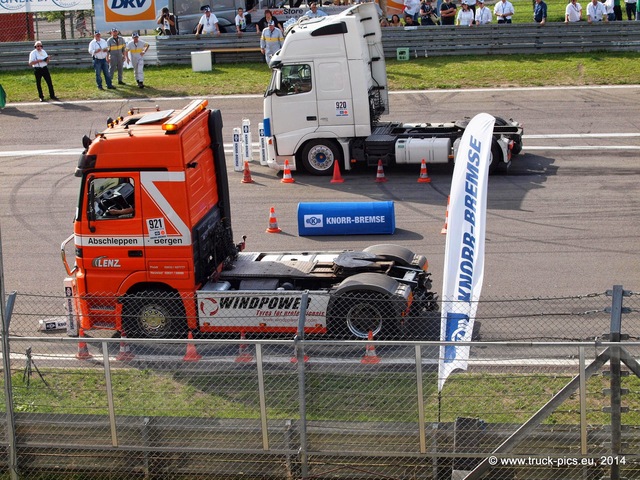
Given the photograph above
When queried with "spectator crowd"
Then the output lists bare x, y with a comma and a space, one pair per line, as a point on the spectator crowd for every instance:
109, 56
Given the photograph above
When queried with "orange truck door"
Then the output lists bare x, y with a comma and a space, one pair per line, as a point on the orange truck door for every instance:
112, 238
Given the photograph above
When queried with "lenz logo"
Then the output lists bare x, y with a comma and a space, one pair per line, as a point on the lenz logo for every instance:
313, 221
104, 262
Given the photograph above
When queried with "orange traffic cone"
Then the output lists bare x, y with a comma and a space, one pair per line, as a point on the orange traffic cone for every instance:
380, 178
424, 176
192, 354
125, 354
337, 178
243, 355
446, 219
286, 176
83, 350
273, 222
246, 177
294, 358
370, 356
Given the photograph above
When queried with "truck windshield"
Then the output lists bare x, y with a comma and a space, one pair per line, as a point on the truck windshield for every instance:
294, 79
114, 197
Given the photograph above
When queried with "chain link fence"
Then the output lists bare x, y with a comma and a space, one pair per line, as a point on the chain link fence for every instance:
59, 25
551, 391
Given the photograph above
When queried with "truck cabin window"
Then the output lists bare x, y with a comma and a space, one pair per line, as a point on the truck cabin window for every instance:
294, 79
113, 198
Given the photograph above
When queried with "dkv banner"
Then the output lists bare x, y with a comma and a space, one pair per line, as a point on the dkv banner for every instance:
464, 253
128, 15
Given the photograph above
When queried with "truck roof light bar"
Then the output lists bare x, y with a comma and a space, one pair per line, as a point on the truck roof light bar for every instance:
189, 112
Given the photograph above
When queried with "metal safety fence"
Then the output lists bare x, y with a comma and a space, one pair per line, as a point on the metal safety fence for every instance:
552, 388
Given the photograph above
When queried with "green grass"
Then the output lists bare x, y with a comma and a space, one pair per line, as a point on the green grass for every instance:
599, 68
368, 396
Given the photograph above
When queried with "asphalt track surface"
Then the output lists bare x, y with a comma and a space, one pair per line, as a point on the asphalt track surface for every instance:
562, 221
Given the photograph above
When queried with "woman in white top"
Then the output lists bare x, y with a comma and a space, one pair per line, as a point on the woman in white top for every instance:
465, 16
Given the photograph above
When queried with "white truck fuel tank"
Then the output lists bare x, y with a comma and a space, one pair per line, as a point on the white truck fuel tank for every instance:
413, 150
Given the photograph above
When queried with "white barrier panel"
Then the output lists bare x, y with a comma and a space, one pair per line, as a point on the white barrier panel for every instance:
247, 154
238, 164
263, 145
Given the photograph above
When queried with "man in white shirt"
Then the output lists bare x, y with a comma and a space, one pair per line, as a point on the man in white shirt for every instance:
503, 10
136, 49
241, 21
208, 23
412, 7
573, 12
483, 14
99, 50
313, 11
611, 16
39, 60
271, 41
596, 12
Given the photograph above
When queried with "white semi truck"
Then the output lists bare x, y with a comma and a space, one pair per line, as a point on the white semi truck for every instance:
327, 94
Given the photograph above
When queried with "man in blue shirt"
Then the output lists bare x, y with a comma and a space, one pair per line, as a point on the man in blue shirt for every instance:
540, 12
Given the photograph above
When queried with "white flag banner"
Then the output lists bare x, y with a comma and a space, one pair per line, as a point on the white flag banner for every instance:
22, 6
464, 253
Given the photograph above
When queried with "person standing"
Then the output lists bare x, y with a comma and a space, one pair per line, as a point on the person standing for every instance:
573, 12
596, 12
610, 6
263, 23
241, 21
208, 23
427, 14
271, 41
39, 60
503, 10
313, 11
465, 16
448, 12
99, 50
540, 12
412, 8
117, 55
167, 22
136, 49
630, 6
483, 14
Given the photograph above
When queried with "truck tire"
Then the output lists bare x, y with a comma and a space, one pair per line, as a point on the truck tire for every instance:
517, 145
318, 156
496, 156
357, 313
517, 139
154, 314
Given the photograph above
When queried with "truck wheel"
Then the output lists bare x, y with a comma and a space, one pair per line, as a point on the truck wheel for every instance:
357, 313
496, 156
154, 315
318, 157
517, 145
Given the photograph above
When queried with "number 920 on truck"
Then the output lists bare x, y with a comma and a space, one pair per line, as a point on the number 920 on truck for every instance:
155, 256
